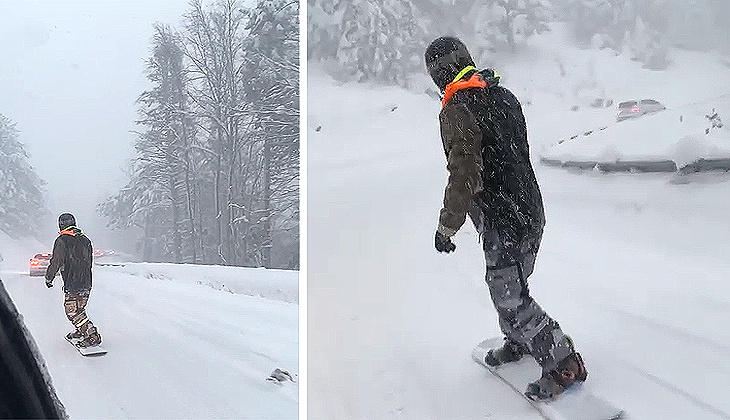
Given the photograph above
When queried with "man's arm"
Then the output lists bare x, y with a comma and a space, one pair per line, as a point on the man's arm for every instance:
57, 259
462, 139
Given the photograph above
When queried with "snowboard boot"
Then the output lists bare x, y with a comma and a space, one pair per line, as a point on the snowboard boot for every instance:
93, 339
75, 335
511, 351
552, 383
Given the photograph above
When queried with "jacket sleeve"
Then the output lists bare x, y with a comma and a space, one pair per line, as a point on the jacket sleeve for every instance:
461, 138
57, 259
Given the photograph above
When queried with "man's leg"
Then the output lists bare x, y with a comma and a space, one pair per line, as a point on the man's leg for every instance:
524, 323
75, 306
522, 320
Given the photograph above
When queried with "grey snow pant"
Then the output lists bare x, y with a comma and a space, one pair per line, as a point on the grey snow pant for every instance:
521, 319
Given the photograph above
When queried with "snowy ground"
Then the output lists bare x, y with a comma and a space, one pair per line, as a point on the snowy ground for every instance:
633, 266
180, 344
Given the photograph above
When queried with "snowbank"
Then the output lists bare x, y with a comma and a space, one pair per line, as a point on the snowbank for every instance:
282, 285
565, 91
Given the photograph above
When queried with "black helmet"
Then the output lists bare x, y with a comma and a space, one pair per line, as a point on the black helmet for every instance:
445, 58
65, 220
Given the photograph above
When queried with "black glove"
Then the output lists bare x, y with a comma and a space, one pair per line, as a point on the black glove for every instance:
443, 243
49, 283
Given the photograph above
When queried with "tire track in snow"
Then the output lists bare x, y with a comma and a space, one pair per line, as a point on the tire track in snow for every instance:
678, 391
173, 326
721, 349
686, 336
213, 327
202, 390
253, 375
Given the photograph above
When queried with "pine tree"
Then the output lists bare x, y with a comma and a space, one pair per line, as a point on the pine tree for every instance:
21, 195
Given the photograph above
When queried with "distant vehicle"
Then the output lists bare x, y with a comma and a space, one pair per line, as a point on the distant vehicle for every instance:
635, 109
39, 264
99, 253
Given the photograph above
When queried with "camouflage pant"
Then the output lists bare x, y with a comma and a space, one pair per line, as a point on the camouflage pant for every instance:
75, 306
521, 319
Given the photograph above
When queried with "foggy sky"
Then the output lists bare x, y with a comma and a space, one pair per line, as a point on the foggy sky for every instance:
69, 75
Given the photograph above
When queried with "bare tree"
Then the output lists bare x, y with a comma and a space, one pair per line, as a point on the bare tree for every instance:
217, 172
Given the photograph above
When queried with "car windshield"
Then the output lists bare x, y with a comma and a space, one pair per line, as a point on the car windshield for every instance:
627, 104
649, 102
42, 256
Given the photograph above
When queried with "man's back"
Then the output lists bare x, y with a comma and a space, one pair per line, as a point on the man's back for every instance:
510, 195
73, 254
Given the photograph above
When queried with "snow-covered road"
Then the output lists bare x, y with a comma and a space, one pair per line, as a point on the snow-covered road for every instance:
177, 349
633, 266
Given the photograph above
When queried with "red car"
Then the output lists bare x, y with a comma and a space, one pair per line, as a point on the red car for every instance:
39, 264
635, 109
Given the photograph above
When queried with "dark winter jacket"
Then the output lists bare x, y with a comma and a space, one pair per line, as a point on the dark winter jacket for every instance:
73, 255
490, 175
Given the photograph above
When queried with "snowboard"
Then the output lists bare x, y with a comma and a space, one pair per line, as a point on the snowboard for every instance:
87, 351
576, 403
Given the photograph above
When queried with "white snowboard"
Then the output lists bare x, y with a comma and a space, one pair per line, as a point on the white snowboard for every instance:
576, 403
88, 351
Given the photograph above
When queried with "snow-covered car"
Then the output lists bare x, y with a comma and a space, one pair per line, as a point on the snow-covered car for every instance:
38, 264
635, 109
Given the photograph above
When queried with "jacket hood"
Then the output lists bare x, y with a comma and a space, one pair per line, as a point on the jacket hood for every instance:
469, 77
71, 231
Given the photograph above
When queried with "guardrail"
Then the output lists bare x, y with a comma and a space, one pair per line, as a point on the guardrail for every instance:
700, 165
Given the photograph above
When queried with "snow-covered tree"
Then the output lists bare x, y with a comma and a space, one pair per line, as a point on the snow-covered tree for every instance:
21, 195
385, 40
379, 40
647, 46
272, 47
214, 49
216, 178
324, 22
502, 24
591, 17
160, 194
636, 27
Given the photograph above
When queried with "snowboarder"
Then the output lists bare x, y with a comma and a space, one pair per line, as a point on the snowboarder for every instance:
491, 179
73, 255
